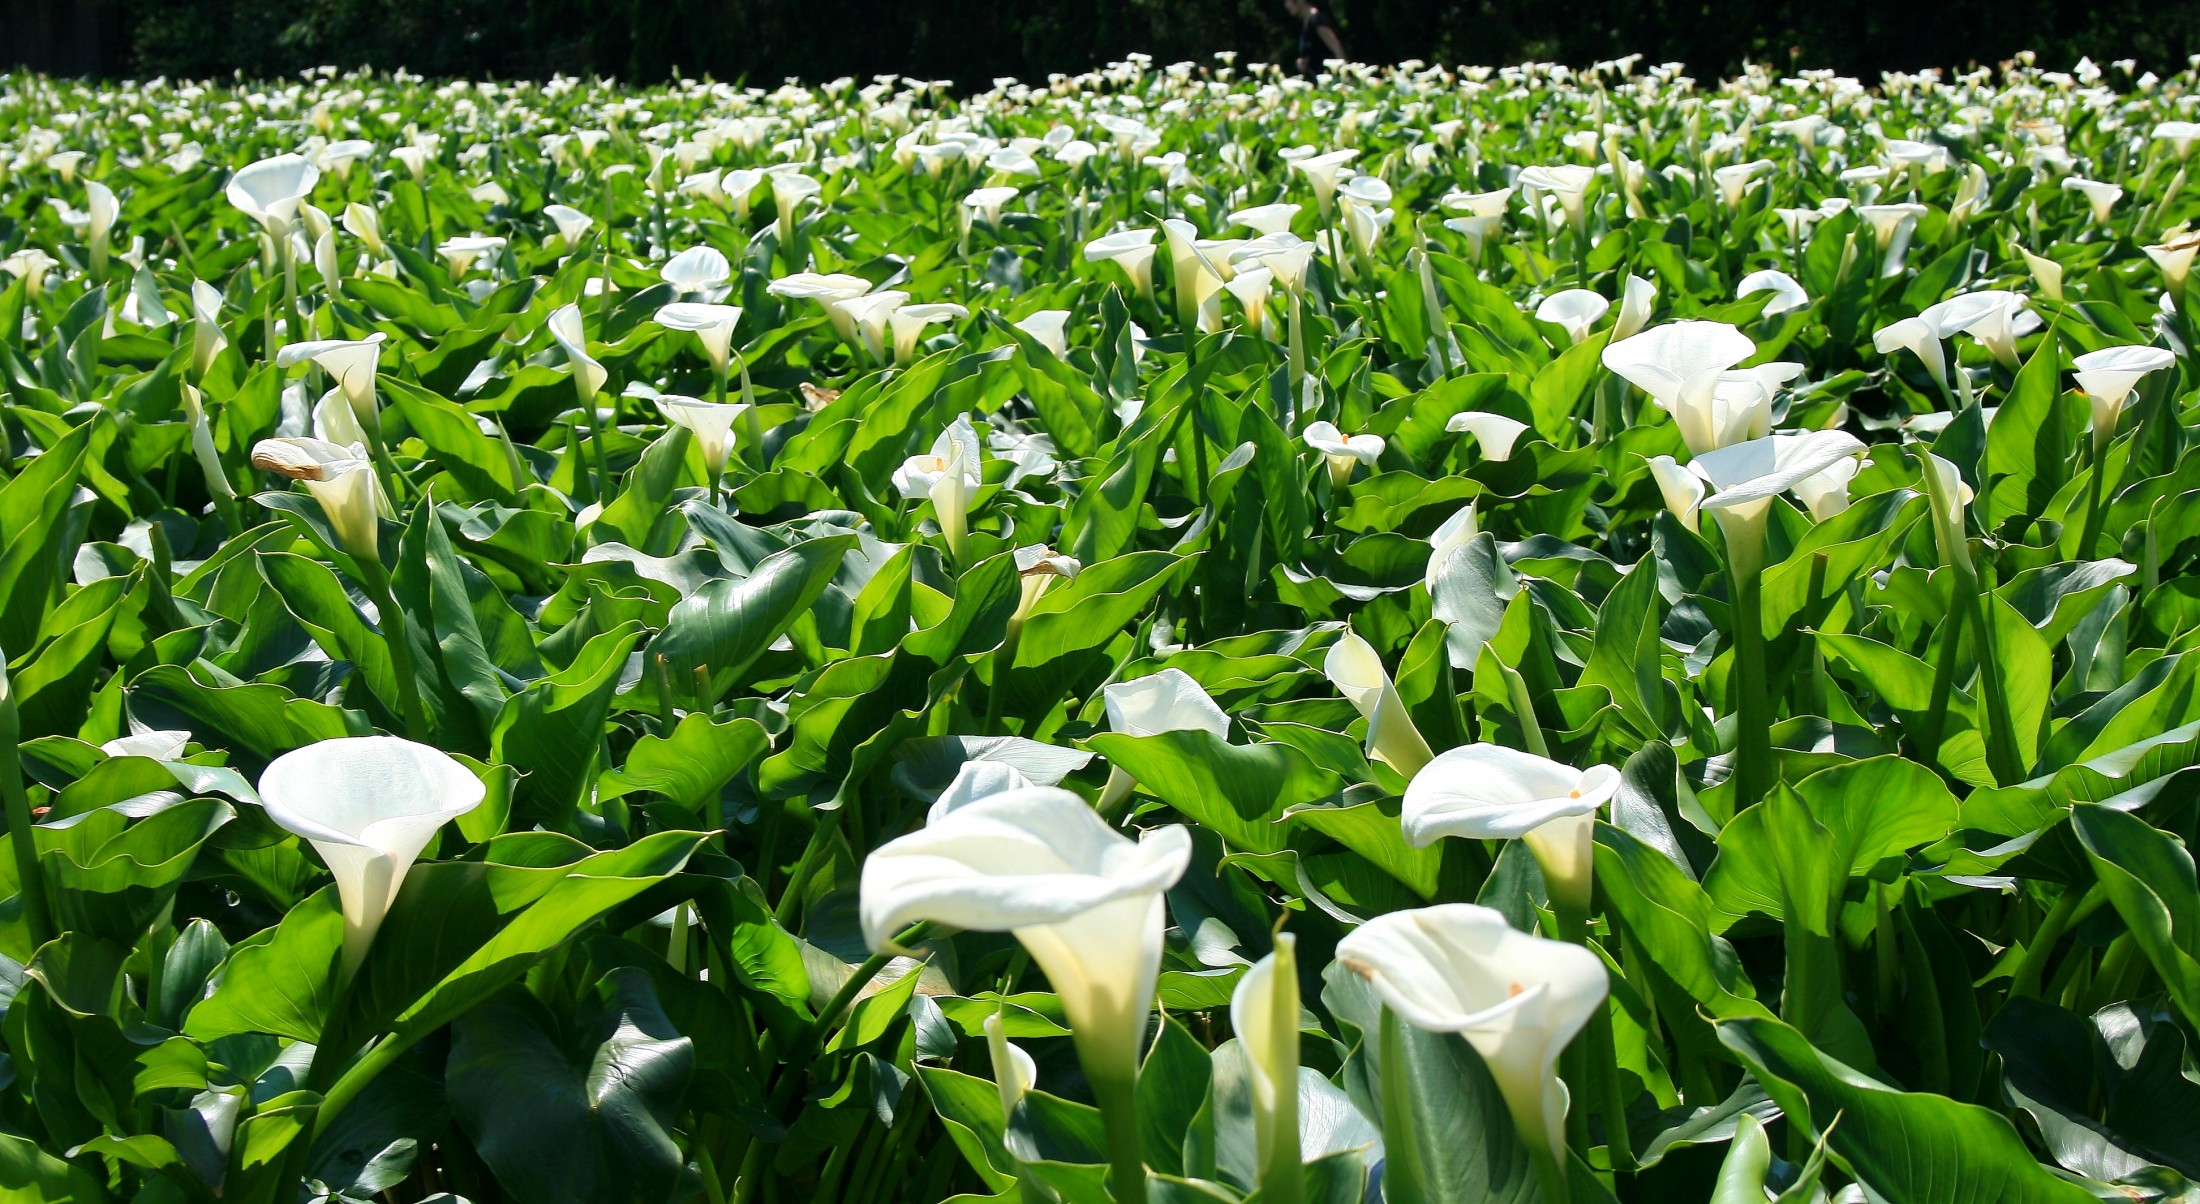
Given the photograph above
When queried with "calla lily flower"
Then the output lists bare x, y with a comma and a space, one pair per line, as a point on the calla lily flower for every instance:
1168, 701
1683, 490
1264, 1012
2109, 375
1251, 289
1995, 318
710, 422
101, 208
1353, 667
824, 290
1827, 494
350, 362
2047, 273
1575, 309
1343, 454
202, 444
1131, 250
2180, 135
2174, 255
588, 375
1787, 294
949, 475
1892, 227
31, 264
340, 478
697, 271
368, 805
1518, 999
461, 252
1266, 219
1636, 301
1038, 568
1014, 1073
2102, 197
1949, 494
1486, 792
1494, 432
1920, 338
1683, 366
1453, 534
1046, 326
1567, 182
1084, 900
572, 223
1476, 230
1321, 173
207, 339
1198, 281
712, 326
1747, 476
270, 190
1734, 180
869, 314
789, 190
367, 228
908, 324
983, 205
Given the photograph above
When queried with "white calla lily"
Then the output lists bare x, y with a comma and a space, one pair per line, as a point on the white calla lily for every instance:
1518, 999
1343, 454
1358, 673
270, 191
340, 478
1747, 476
1683, 490
1682, 366
1577, 310
1495, 433
2108, 377
711, 324
1486, 792
1169, 701
368, 805
1131, 250
1085, 901
350, 363
949, 476
588, 375
697, 272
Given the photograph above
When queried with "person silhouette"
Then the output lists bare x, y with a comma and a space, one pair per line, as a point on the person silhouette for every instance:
1319, 40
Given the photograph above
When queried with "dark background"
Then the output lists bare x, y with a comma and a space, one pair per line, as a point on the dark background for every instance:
972, 41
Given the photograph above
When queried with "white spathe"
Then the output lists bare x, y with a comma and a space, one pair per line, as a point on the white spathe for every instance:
1084, 899
368, 805
1518, 999
2109, 375
1486, 792
1358, 673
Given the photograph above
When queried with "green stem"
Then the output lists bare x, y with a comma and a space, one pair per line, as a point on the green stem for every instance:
1556, 1188
396, 634
1117, 1095
1531, 728
2093, 516
1944, 678
1753, 717
2001, 736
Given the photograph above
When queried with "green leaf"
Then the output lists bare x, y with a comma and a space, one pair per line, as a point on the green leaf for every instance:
717, 632
1239, 790
1907, 1147
551, 730
584, 1116
2149, 877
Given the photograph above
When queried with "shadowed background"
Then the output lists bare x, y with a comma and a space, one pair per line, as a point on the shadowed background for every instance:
972, 41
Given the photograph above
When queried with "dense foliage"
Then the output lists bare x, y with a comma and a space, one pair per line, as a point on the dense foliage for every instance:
1556, 635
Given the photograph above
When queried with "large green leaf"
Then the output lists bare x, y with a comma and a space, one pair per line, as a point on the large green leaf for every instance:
1907, 1147
581, 1110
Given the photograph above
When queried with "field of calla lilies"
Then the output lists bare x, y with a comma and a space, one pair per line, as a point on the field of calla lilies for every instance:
1177, 635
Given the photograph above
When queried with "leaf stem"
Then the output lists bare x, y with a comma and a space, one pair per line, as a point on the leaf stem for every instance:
31, 879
